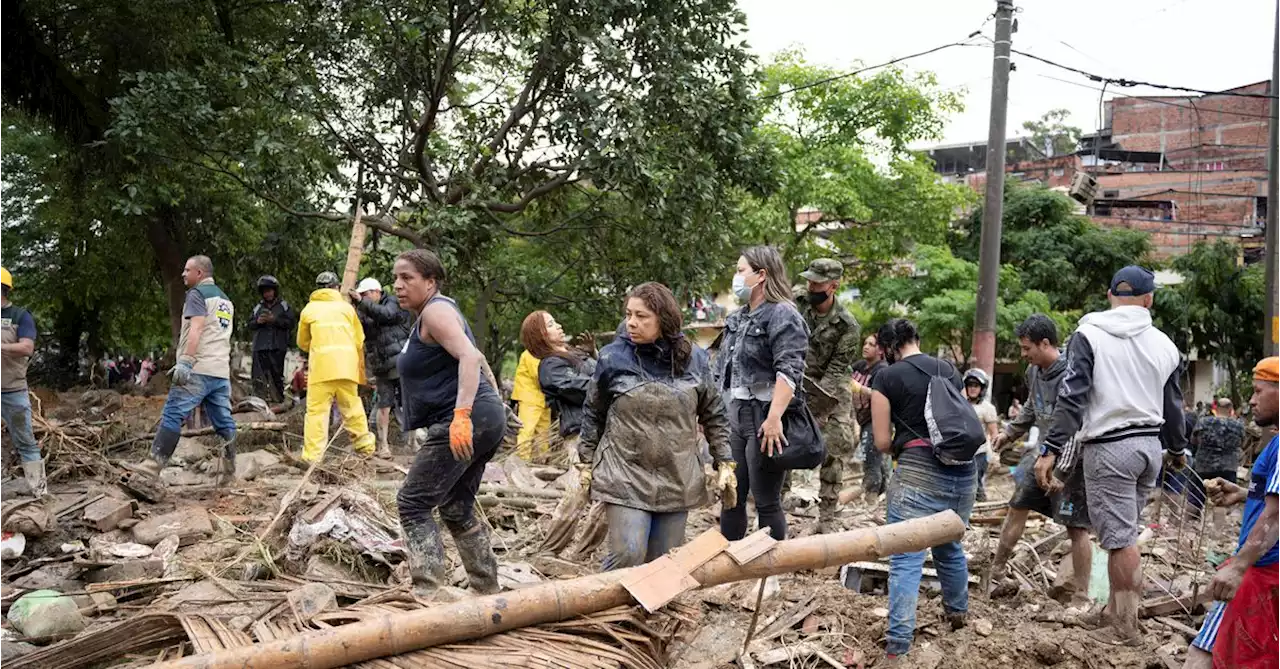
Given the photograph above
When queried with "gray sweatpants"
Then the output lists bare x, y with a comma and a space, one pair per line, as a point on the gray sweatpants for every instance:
1119, 476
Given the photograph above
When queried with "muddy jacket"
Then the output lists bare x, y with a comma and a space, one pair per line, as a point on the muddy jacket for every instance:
834, 344
640, 427
761, 343
386, 328
1038, 410
564, 383
1217, 441
275, 335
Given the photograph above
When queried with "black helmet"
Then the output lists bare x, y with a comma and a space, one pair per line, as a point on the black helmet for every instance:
267, 281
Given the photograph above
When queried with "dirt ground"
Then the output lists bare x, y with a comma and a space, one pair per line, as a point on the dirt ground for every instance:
240, 570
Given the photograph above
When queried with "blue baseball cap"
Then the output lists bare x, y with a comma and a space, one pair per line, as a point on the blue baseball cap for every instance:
1133, 281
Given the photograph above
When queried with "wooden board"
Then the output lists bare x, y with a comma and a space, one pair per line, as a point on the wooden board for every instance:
659, 582
752, 547
697, 552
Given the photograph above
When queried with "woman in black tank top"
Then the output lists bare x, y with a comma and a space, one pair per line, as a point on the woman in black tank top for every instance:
458, 421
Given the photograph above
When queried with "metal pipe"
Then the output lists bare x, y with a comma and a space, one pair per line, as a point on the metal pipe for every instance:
478, 617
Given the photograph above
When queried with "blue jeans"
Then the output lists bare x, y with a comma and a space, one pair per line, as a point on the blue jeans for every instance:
637, 536
213, 392
920, 487
17, 417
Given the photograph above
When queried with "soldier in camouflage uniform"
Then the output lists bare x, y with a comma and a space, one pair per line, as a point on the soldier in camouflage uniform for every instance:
1216, 442
834, 344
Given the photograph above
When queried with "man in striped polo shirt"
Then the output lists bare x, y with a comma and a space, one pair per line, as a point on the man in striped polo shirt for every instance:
1241, 628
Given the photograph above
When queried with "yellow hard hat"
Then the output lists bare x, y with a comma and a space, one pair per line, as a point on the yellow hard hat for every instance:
6, 278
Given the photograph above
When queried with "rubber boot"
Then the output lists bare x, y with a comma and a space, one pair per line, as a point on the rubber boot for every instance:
33, 472
162, 447
426, 558
478, 559
227, 468
827, 512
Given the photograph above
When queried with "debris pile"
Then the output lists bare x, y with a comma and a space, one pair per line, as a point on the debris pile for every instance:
97, 574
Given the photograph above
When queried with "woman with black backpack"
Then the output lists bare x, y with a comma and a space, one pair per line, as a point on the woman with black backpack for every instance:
920, 416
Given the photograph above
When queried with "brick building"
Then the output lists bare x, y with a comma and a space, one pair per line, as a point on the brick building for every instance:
1182, 168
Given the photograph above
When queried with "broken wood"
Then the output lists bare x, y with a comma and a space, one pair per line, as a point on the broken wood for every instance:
393, 634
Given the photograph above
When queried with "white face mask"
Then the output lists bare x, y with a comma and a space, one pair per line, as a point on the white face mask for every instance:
740, 288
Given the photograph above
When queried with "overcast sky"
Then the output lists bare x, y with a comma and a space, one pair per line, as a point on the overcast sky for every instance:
1206, 44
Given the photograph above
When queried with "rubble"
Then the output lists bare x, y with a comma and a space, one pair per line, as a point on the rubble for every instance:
285, 551
46, 614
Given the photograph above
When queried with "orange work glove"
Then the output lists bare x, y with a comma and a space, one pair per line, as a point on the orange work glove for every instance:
460, 434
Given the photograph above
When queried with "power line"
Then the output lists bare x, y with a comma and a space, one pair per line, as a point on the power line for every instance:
1153, 99
846, 75
1127, 83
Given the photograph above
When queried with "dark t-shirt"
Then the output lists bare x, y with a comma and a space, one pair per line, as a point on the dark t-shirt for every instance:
907, 388
864, 373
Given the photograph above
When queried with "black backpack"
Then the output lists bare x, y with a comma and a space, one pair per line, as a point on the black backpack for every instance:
955, 433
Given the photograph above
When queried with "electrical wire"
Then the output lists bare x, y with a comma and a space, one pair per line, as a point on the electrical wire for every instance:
1157, 100
846, 75
1128, 83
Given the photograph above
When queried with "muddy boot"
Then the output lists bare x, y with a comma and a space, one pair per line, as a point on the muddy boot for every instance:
426, 558
827, 514
33, 472
957, 620
227, 468
150, 467
478, 558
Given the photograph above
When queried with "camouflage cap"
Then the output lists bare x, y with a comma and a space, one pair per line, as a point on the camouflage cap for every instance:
824, 269
326, 279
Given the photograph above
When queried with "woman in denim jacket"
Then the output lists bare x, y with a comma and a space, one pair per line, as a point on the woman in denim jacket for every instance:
760, 365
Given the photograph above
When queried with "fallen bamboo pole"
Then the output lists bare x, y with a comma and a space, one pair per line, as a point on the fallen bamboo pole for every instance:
478, 617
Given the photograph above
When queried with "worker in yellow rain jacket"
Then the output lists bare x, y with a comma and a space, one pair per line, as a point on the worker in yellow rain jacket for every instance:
534, 413
330, 332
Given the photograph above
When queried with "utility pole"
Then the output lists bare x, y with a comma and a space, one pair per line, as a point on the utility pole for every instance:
1271, 329
984, 325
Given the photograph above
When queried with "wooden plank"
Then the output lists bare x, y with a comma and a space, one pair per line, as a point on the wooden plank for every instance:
752, 547
657, 583
789, 620
699, 551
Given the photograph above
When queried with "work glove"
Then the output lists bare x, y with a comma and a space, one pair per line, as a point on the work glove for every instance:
727, 484
460, 434
183, 370
856, 387
584, 474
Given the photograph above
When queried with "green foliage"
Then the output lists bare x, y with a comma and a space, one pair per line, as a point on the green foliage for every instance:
1051, 131
1217, 309
844, 166
1064, 255
939, 297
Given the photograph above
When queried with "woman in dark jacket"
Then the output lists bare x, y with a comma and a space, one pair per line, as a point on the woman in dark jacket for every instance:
563, 373
651, 392
760, 365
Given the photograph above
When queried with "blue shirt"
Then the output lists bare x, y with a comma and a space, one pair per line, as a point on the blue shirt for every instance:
1262, 482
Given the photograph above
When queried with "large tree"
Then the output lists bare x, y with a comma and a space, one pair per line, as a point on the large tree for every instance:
540, 148
1216, 310
1051, 134
938, 296
845, 171
1057, 251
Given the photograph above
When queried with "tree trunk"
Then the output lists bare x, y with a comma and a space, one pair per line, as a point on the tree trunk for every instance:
165, 242
480, 318
551, 601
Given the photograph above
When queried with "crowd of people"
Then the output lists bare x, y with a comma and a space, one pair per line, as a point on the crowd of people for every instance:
658, 426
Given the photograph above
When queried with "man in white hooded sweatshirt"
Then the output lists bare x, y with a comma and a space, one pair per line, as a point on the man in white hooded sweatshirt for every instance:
1122, 399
